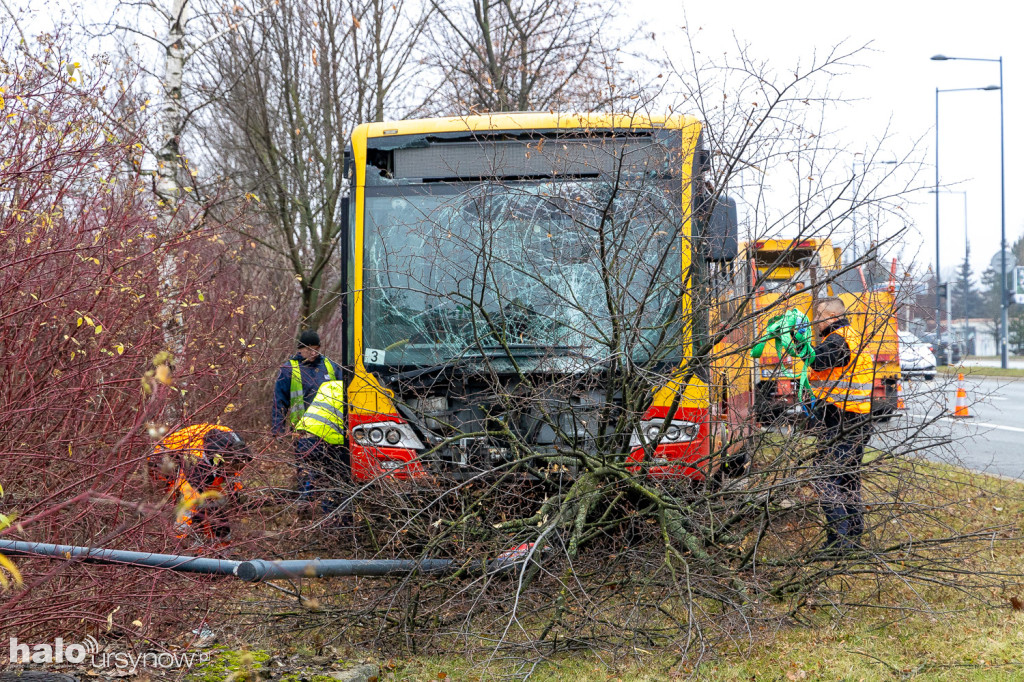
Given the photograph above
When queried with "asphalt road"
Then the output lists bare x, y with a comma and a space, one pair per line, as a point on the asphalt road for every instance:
991, 440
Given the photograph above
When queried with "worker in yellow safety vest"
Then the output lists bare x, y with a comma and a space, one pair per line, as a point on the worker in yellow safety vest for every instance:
321, 446
297, 383
841, 377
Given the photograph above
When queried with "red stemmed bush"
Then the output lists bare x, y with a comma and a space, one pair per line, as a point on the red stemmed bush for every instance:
82, 392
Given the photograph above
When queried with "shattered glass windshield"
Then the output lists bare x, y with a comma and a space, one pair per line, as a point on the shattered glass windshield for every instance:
575, 268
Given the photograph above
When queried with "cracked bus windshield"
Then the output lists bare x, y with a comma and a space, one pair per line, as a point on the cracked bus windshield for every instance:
580, 268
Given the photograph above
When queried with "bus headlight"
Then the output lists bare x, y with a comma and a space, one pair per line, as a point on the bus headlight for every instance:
387, 434
677, 431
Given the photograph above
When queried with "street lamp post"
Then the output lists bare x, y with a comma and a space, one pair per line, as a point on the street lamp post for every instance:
967, 246
938, 272
967, 252
1004, 355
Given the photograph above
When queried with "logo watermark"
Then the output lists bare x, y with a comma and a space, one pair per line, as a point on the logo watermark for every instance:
88, 652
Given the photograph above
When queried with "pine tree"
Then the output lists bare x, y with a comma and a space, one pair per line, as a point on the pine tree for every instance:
990, 302
967, 300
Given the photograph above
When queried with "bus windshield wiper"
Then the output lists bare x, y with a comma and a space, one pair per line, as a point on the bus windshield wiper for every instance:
529, 350
417, 375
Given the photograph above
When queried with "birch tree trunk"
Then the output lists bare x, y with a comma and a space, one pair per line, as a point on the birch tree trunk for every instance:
168, 187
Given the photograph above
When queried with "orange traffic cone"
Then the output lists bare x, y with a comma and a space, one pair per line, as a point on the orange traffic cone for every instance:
900, 404
961, 398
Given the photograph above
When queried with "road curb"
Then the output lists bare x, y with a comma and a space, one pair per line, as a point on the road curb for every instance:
979, 375
1001, 477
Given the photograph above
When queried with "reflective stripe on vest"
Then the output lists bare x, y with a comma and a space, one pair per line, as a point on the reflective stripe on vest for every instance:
849, 387
325, 417
297, 404
186, 507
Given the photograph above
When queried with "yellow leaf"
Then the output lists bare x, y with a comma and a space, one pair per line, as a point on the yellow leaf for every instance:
88, 320
201, 297
137, 623
119, 348
80, 321
99, 328
163, 375
9, 566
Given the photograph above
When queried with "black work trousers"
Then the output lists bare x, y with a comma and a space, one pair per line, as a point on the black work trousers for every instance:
841, 437
323, 468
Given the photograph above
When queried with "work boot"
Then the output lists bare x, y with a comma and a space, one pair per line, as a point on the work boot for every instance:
837, 547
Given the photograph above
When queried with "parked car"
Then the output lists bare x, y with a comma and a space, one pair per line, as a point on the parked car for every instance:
916, 357
939, 349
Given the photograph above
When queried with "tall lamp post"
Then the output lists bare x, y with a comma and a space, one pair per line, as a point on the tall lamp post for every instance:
1002, 190
938, 272
967, 246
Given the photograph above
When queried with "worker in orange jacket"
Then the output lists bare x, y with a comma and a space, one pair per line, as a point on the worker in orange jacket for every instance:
202, 463
842, 377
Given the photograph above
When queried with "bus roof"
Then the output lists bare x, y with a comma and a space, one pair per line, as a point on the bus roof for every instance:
526, 121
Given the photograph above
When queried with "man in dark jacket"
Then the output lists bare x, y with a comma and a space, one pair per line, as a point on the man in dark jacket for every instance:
841, 376
297, 384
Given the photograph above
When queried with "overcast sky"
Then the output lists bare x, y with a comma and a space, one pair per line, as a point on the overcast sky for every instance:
897, 83
895, 87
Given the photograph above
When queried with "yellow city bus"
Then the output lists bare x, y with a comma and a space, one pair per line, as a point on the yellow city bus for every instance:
477, 256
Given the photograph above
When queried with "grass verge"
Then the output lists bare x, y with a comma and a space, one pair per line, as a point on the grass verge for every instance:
948, 635
953, 370
897, 633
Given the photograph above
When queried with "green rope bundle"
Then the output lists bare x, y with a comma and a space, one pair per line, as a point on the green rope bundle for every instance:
793, 336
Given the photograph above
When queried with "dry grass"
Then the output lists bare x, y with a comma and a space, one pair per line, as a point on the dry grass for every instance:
901, 631
904, 633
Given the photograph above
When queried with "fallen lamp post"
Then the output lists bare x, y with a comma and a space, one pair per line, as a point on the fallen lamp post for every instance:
256, 570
